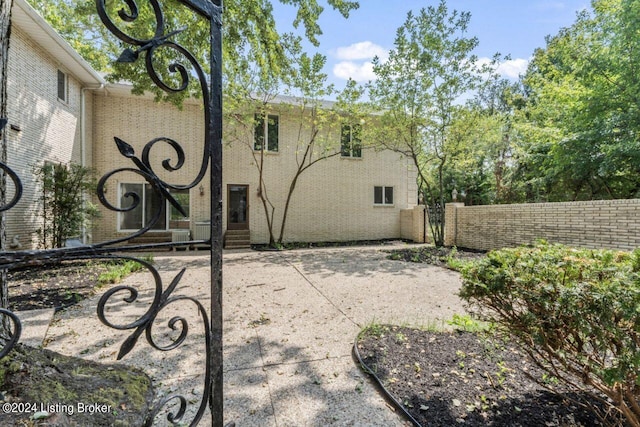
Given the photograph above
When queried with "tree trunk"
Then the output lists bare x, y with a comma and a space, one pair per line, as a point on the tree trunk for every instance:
265, 200
286, 206
5, 31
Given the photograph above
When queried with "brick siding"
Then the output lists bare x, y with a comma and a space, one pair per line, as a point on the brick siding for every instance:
333, 200
611, 224
49, 128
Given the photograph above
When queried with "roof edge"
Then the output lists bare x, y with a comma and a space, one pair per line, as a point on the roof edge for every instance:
83, 71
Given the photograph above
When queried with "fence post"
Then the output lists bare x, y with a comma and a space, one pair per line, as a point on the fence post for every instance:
451, 223
419, 231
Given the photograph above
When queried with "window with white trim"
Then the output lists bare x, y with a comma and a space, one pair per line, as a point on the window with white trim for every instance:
383, 195
62, 86
266, 133
350, 143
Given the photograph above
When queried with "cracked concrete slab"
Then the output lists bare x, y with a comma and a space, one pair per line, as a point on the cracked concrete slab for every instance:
290, 319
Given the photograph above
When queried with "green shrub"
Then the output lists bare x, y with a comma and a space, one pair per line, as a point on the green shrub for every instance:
64, 211
576, 312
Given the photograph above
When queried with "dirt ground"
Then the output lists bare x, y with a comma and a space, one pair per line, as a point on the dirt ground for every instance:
459, 378
53, 285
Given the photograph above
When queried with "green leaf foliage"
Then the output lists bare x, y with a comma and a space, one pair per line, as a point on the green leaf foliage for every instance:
64, 210
576, 312
250, 37
583, 103
417, 90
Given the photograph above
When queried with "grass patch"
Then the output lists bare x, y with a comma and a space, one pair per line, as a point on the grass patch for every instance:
119, 269
453, 258
466, 323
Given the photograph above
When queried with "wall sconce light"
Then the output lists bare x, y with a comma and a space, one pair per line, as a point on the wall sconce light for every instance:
201, 188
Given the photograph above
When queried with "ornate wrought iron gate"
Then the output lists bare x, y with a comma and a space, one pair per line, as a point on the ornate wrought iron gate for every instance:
211, 89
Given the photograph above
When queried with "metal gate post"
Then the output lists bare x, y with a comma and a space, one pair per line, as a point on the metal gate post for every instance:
216, 403
211, 90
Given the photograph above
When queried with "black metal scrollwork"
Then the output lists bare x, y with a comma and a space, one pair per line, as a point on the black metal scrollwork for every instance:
210, 86
14, 177
9, 343
162, 298
15, 334
211, 156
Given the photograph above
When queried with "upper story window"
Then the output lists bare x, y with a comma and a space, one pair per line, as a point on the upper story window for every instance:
266, 133
383, 195
62, 86
350, 142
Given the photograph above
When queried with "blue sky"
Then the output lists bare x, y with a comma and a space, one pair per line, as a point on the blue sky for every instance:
510, 27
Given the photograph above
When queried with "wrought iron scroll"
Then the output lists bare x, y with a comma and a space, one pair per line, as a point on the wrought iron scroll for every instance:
8, 344
211, 88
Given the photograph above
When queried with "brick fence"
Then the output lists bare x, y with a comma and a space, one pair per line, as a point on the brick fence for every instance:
611, 224
413, 225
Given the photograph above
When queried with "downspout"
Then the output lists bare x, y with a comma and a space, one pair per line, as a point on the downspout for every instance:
83, 145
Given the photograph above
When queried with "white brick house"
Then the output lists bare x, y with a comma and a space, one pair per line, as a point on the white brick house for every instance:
50, 105
357, 196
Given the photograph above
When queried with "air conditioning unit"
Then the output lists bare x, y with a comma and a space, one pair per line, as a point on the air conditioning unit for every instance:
202, 231
180, 235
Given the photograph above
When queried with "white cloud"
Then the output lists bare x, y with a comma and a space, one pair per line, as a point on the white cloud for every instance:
356, 61
361, 50
360, 72
512, 68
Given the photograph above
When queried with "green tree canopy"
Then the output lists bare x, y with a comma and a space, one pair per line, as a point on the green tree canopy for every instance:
250, 36
583, 105
418, 89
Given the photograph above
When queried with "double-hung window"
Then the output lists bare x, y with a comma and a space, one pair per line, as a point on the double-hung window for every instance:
266, 133
350, 143
383, 196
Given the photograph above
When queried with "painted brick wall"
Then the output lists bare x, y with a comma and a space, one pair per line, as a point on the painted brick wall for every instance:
592, 224
50, 128
406, 224
138, 120
333, 200
413, 223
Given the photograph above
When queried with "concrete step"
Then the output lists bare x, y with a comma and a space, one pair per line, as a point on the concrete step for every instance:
237, 245
151, 238
237, 239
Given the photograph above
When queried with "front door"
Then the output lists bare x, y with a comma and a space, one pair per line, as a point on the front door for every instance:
238, 207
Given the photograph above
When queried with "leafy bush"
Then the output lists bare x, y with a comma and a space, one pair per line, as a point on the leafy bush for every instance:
576, 312
64, 211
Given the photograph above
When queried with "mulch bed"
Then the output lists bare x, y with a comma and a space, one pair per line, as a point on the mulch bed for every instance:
53, 285
433, 255
459, 378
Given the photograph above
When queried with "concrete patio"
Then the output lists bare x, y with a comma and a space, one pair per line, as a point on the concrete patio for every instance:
290, 320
